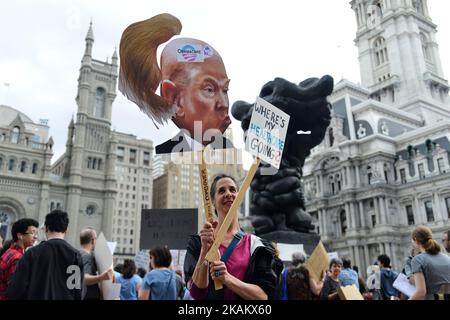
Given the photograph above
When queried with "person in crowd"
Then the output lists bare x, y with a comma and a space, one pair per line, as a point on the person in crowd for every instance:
180, 284
160, 282
446, 241
348, 276
88, 239
387, 277
118, 270
407, 269
6, 245
248, 263
373, 282
24, 235
296, 281
129, 281
332, 283
141, 272
431, 268
52, 270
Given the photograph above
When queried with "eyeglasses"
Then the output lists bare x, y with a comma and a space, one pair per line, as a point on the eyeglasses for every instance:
32, 234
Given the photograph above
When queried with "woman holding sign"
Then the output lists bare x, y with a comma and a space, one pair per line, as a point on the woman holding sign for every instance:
247, 263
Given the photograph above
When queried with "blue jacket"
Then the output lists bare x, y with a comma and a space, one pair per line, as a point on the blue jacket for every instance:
387, 279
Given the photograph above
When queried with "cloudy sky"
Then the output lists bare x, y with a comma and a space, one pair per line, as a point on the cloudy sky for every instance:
42, 43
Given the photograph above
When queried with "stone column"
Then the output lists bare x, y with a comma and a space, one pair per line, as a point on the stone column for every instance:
377, 214
353, 215
382, 248
417, 212
438, 210
362, 215
366, 255
321, 222
358, 177
388, 213
382, 211
352, 254
325, 225
358, 261
347, 216
348, 177
318, 186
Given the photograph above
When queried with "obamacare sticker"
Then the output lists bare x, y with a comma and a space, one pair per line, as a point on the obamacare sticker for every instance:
190, 53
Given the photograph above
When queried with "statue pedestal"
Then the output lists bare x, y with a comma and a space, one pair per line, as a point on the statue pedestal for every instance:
308, 240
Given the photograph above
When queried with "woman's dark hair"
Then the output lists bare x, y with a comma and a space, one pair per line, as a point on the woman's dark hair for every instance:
161, 257
141, 272
119, 268
346, 262
298, 283
424, 236
129, 269
335, 261
216, 180
21, 226
57, 221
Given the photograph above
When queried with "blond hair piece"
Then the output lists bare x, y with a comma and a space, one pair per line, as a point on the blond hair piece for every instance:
139, 74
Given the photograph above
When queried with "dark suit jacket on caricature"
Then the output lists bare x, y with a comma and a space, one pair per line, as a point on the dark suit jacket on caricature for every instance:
180, 144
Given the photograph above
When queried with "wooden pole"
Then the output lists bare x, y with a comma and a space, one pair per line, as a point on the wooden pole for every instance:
207, 203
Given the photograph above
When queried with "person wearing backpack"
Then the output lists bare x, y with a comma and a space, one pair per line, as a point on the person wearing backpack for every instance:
387, 277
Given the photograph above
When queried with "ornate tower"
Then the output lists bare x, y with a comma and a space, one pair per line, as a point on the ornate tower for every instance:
399, 56
89, 140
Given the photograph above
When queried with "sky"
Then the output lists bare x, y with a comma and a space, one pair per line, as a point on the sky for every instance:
42, 43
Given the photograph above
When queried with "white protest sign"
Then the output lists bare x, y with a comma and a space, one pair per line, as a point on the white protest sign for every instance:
403, 285
142, 259
266, 134
104, 261
286, 250
332, 255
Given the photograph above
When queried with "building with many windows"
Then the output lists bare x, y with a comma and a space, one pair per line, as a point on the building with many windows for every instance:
383, 167
177, 183
102, 180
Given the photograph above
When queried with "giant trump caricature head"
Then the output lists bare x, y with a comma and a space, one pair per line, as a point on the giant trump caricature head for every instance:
192, 78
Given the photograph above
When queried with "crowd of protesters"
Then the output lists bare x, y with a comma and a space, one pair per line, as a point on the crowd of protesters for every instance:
55, 270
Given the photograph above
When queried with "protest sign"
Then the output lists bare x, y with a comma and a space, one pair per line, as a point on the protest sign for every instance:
349, 293
266, 134
318, 261
167, 227
104, 260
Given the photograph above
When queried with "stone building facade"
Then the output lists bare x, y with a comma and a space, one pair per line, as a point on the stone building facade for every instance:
383, 167
103, 178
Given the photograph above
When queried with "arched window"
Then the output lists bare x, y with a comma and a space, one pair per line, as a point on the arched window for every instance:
2, 137
11, 164
343, 220
425, 48
338, 181
381, 53
100, 103
369, 175
15, 134
1, 163
23, 166
7, 218
34, 168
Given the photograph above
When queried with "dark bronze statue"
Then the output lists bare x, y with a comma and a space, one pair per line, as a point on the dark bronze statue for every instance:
277, 202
